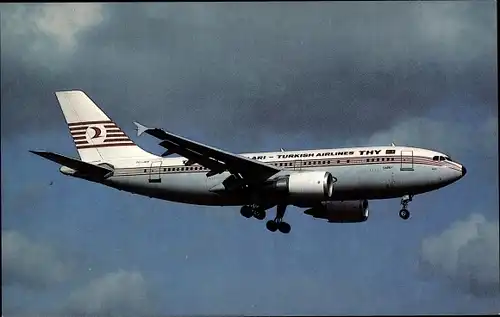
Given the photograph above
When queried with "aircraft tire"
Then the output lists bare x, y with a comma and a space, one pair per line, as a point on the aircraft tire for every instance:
272, 226
259, 214
246, 211
404, 214
284, 227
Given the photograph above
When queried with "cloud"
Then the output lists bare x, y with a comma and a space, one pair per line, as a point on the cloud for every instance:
28, 263
51, 23
325, 69
467, 253
119, 293
435, 134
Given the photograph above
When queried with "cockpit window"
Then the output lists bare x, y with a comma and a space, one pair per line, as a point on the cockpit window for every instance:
442, 158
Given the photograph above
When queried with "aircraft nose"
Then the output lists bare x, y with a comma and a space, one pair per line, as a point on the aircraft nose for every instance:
464, 171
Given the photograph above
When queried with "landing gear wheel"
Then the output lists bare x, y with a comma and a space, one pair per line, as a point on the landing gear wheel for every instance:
259, 213
404, 214
278, 223
246, 211
284, 227
271, 225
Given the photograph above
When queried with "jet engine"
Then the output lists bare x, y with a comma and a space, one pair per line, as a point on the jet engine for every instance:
304, 185
341, 211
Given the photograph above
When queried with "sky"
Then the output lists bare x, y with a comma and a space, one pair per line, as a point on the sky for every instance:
248, 77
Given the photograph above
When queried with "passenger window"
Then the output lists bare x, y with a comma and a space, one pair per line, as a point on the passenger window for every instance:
308, 163
281, 164
441, 158
383, 159
328, 162
338, 161
347, 161
378, 159
145, 171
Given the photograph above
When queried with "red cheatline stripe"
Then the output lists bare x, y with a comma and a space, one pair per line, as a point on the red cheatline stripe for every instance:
110, 125
117, 139
113, 130
79, 137
72, 124
110, 135
397, 162
138, 171
104, 145
81, 142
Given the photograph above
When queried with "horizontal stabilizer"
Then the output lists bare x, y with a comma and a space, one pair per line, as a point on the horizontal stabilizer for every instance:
77, 165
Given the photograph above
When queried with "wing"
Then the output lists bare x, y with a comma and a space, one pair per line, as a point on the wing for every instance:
214, 159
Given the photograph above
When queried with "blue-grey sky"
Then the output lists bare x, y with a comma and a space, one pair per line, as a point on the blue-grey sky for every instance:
250, 77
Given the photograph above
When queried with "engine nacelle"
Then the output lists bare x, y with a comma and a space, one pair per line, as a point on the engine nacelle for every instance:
304, 185
341, 211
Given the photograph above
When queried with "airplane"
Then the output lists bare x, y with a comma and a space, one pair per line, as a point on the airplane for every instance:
330, 184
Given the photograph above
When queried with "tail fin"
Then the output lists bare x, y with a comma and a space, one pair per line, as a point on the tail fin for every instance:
96, 137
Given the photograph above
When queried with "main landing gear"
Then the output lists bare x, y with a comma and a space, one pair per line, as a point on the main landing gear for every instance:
278, 223
256, 211
404, 213
259, 213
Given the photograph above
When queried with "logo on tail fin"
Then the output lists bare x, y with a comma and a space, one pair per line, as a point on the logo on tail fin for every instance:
97, 131
92, 134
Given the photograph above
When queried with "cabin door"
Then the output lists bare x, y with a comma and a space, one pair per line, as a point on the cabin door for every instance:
406, 160
154, 172
297, 165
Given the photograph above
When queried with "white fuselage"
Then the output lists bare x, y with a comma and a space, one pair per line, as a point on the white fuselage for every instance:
378, 172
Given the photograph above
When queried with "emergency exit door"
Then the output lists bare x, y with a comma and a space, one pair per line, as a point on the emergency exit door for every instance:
154, 172
297, 165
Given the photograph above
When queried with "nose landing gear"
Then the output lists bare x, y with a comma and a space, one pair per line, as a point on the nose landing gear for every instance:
404, 213
278, 223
